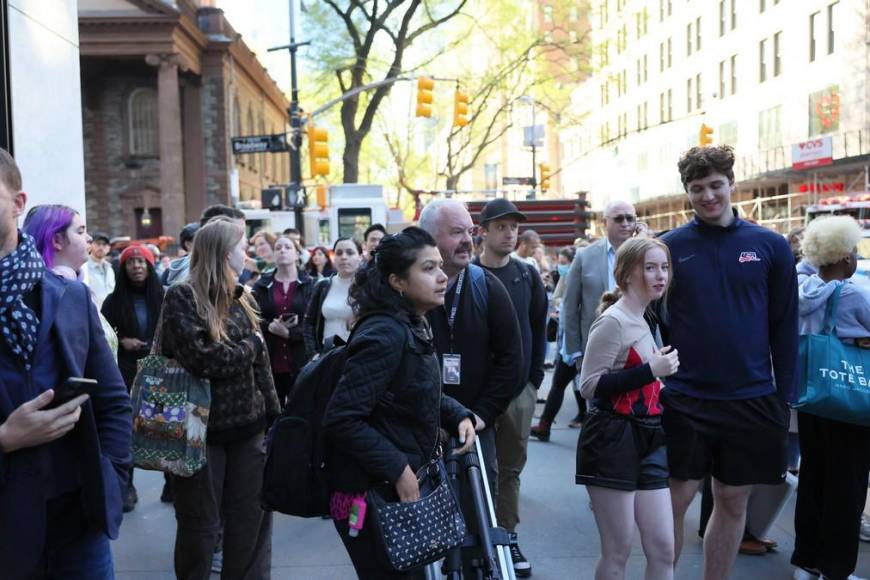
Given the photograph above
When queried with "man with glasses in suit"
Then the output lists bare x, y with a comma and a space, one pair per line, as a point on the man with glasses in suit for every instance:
590, 276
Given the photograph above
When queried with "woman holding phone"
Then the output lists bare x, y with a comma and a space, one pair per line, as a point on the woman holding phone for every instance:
283, 297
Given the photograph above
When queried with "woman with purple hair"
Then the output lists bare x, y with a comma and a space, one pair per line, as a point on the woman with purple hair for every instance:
62, 238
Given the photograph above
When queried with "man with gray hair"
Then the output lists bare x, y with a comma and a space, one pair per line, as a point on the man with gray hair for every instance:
590, 276
476, 333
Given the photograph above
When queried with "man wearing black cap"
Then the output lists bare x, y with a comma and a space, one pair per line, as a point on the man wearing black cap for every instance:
499, 223
100, 276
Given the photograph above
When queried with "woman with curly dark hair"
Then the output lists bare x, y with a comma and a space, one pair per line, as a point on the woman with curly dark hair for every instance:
390, 355
319, 265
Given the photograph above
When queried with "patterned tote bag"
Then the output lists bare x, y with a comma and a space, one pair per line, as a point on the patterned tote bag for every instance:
170, 414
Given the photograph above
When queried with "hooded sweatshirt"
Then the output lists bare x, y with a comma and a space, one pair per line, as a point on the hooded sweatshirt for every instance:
853, 312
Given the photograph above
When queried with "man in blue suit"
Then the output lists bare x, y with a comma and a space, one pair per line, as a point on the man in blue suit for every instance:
62, 469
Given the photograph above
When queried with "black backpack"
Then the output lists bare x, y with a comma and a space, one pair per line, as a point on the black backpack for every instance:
295, 474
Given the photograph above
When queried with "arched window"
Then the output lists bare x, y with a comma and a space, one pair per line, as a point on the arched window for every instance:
142, 123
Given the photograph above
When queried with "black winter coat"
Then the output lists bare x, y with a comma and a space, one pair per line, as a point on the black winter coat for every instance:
301, 296
385, 413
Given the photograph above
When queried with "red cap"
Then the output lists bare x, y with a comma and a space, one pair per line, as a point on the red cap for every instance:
137, 251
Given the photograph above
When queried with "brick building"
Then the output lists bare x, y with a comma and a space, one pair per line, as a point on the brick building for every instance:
163, 90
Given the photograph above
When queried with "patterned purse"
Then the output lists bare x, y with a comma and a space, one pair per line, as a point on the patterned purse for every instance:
417, 533
170, 414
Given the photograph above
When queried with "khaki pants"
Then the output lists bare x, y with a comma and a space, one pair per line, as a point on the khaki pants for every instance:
511, 442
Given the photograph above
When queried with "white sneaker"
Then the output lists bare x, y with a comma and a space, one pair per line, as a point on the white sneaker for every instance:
864, 534
853, 577
801, 574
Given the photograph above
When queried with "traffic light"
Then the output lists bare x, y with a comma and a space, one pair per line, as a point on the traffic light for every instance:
460, 109
425, 87
705, 136
545, 176
318, 150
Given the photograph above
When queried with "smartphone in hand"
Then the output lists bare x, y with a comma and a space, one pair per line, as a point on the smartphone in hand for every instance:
290, 319
72, 388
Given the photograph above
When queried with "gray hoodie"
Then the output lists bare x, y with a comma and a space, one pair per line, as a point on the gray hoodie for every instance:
177, 271
853, 313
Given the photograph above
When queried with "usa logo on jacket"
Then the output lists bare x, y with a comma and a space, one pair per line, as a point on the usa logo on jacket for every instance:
748, 257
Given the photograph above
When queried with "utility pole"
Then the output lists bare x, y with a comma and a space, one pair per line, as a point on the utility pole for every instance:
295, 189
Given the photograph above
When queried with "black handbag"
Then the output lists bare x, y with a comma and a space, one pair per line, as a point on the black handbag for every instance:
414, 534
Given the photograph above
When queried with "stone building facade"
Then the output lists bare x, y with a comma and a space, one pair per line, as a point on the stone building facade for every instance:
163, 90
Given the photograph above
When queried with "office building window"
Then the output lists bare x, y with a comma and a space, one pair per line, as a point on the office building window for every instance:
832, 11
698, 101
814, 22
670, 7
777, 54
697, 34
639, 124
689, 94
722, 79
645, 69
661, 10
638, 71
734, 74
661, 57
762, 62
645, 114
769, 129
670, 53
733, 14
670, 105
662, 113
548, 14
728, 134
762, 5
721, 17
689, 38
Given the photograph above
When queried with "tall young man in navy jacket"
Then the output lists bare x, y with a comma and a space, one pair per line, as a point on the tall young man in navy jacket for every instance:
61, 470
732, 313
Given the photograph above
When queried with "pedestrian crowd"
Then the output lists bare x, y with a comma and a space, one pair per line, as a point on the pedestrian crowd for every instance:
683, 349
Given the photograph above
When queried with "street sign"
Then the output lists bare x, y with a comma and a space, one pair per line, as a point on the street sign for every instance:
533, 136
813, 153
516, 181
260, 144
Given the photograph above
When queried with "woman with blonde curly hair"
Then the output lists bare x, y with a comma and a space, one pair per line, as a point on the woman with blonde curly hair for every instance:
835, 456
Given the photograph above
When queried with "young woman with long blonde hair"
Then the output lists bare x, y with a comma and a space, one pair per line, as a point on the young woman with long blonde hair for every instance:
211, 326
621, 455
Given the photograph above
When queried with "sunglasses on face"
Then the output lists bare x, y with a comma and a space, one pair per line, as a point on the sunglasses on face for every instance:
624, 218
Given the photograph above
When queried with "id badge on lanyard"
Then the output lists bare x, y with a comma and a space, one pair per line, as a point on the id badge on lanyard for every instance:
451, 370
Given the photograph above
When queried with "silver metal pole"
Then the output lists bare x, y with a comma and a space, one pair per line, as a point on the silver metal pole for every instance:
505, 563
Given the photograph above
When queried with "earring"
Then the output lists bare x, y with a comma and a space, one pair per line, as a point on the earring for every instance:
402, 293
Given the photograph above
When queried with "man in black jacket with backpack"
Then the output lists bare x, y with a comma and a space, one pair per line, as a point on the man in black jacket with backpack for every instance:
477, 336
499, 222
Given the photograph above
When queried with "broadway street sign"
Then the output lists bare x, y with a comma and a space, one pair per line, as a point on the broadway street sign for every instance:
260, 144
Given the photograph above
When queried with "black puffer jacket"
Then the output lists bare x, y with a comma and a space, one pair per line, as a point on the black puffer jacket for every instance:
385, 412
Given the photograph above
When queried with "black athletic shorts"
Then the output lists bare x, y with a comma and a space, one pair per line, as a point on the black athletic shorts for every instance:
741, 442
619, 452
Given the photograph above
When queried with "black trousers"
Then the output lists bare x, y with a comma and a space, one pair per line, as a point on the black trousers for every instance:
283, 384
363, 552
229, 486
832, 489
562, 377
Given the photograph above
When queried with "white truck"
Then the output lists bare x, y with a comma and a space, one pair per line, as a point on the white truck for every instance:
349, 210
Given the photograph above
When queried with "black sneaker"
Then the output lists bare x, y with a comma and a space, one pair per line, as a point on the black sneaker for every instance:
131, 498
522, 568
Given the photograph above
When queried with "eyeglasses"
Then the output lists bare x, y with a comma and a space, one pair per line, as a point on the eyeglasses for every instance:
624, 218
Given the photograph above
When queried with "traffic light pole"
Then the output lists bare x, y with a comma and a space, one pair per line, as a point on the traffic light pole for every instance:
295, 186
